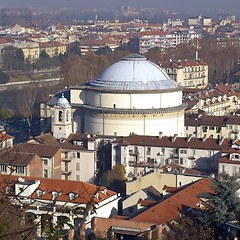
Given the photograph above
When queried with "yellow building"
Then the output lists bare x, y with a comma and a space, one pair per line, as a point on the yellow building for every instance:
187, 73
53, 48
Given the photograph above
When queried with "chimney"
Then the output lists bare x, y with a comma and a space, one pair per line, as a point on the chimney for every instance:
189, 137
174, 137
235, 140
160, 135
197, 57
204, 137
221, 140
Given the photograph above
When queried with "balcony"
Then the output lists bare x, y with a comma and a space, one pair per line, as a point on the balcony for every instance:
143, 164
67, 159
66, 172
132, 153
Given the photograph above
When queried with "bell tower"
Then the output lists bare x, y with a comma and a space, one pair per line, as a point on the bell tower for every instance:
62, 119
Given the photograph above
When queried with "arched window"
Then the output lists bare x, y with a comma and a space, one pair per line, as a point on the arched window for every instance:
60, 116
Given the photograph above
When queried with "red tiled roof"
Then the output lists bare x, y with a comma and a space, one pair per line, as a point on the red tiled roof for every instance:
228, 161
86, 191
235, 120
207, 120
180, 142
5, 137
42, 150
183, 63
176, 168
170, 208
170, 189
216, 121
147, 203
51, 44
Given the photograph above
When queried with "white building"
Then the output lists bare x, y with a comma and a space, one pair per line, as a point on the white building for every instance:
132, 95
60, 200
141, 153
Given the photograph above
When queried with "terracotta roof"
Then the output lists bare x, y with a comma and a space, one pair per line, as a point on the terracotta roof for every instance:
171, 207
147, 203
225, 89
192, 90
16, 158
180, 169
216, 121
183, 63
4, 40
235, 120
190, 103
228, 161
86, 191
47, 138
170, 189
194, 122
51, 44
71, 146
207, 120
5, 137
180, 142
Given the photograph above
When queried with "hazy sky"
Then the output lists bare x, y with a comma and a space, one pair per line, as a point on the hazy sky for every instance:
163, 4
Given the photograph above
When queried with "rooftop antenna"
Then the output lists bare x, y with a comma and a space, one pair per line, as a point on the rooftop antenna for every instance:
96, 19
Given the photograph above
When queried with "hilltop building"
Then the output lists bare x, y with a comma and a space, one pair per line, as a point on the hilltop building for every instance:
188, 72
132, 95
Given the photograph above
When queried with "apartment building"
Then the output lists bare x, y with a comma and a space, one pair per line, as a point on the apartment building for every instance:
142, 42
188, 72
6, 140
78, 155
141, 153
92, 45
215, 101
56, 200
33, 160
213, 126
53, 48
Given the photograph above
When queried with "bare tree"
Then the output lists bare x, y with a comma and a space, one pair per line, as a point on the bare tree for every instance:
25, 101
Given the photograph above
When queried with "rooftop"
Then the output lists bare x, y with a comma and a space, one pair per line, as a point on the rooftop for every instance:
133, 72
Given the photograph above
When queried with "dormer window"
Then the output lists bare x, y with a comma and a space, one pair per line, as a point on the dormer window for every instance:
40, 193
104, 191
55, 195
97, 195
72, 196
236, 157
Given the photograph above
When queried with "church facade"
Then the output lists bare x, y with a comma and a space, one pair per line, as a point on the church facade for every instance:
133, 95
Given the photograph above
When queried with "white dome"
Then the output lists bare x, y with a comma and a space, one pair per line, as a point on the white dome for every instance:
63, 102
133, 72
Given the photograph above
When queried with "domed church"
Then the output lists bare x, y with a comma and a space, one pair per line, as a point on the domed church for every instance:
133, 95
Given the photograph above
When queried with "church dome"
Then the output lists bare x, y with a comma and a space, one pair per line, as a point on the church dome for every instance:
63, 102
133, 72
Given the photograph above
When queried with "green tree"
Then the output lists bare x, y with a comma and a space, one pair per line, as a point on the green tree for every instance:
25, 103
75, 48
19, 60
224, 204
4, 78
107, 51
43, 55
115, 178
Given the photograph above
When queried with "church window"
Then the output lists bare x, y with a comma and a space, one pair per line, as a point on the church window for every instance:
60, 116
67, 116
